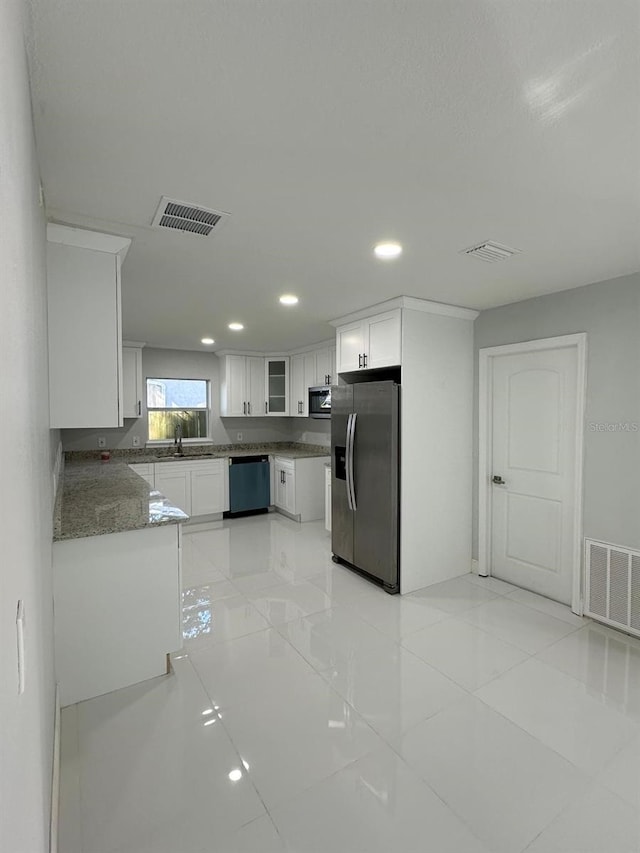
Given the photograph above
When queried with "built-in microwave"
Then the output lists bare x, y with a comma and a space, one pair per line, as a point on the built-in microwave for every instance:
320, 401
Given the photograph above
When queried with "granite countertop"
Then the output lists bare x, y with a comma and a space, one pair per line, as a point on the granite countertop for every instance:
96, 497
203, 452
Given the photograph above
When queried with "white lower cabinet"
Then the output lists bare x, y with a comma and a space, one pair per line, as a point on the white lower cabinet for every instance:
299, 487
199, 488
173, 480
207, 487
285, 494
117, 609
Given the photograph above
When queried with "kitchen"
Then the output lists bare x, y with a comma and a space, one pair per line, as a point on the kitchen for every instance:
377, 707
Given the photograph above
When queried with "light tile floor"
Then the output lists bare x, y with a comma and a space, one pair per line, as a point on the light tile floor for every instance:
310, 711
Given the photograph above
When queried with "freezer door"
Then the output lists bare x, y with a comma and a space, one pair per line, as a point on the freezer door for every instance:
375, 486
341, 513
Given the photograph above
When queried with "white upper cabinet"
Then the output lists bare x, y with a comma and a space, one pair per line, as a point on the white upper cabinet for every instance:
303, 376
371, 342
255, 386
325, 366
276, 372
273, 385
84, 327
131, 381
233, 386
349, 346
242, 386
383, 340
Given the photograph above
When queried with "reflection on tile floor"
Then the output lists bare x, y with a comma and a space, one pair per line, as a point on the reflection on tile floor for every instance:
309, 711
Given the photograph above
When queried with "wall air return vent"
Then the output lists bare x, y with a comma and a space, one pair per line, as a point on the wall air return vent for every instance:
613, 585
181, 216
490, 252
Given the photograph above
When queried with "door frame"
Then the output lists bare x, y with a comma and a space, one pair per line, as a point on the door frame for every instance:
485, 448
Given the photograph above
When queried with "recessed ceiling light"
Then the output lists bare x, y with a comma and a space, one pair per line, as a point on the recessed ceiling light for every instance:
289, 299
236, 327
387, 251
207, 341
235, 775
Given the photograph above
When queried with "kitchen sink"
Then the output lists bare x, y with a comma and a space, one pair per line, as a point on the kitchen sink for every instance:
193, 455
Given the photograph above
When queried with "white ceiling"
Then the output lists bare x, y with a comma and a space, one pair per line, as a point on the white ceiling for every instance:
324, 126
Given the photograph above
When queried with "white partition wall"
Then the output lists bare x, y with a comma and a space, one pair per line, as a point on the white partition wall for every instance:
436, 447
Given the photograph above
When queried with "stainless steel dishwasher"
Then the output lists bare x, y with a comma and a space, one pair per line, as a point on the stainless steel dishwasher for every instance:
249, 490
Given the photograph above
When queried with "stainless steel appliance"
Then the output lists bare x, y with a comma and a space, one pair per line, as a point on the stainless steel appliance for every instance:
365, 454
320, 401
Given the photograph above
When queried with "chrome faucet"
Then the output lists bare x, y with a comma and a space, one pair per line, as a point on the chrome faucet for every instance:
177, 440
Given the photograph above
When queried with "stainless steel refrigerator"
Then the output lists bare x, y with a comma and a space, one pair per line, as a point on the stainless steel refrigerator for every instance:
365, 454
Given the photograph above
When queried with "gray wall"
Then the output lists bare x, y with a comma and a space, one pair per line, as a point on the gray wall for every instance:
26, 510
310, 430
609, 312
181, 364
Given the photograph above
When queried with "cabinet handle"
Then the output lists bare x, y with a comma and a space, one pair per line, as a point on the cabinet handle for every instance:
364, 359
266, 411
139, 408
244, 408
249, 408
359, 360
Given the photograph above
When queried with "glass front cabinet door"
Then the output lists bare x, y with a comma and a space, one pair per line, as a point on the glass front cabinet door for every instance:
277, 386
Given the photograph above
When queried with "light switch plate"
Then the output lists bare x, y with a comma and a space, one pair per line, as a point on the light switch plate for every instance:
20, 643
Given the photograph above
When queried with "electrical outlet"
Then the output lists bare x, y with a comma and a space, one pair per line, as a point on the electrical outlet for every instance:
239, 436
136, 441
102, 441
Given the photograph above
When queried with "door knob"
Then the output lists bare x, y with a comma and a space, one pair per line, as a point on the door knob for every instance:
497, 479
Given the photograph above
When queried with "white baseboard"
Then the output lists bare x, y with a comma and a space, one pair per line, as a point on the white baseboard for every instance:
207, 522
55, 779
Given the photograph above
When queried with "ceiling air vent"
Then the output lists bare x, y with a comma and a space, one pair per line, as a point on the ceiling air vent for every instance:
182, 216
490, 252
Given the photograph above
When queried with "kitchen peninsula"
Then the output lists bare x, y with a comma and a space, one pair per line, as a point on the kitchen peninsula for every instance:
116, 567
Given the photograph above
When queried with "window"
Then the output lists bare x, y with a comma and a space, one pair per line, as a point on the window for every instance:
178, 402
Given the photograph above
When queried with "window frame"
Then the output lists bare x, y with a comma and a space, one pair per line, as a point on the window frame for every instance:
167, 442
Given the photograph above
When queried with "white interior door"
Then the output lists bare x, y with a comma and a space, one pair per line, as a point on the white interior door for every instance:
534, 452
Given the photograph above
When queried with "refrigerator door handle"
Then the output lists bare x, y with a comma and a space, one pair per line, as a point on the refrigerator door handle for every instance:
348, 466
351, 486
